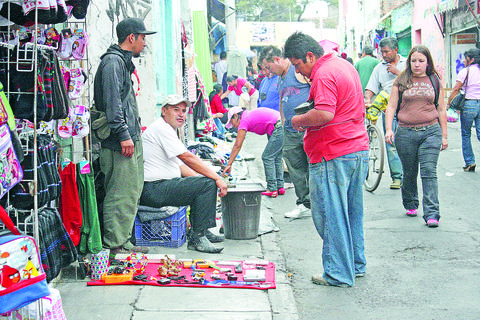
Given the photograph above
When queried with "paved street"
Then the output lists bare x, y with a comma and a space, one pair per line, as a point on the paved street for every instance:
413, 272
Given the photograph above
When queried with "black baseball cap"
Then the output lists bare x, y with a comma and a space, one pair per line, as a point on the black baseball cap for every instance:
131, 25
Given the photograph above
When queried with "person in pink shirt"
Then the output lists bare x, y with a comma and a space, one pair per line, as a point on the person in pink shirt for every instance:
260, 121
468, 79
249, 98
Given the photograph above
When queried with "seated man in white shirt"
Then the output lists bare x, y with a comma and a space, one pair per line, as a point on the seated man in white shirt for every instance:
171, 176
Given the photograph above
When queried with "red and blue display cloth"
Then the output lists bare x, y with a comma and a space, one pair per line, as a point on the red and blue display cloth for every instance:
152, 277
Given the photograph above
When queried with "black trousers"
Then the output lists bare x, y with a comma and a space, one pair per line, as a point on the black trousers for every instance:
200, 193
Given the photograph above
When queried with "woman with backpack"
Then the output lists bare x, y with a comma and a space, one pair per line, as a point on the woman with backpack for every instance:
421, 133
469, 79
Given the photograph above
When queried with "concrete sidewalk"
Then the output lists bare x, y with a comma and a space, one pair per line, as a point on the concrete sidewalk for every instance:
152, 302
81, 302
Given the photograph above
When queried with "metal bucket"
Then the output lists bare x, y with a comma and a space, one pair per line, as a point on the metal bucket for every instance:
241, 211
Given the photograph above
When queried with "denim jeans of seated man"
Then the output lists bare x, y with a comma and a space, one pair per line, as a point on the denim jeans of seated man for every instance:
420, 148
336, 191
272, 160
394, 163
469, 115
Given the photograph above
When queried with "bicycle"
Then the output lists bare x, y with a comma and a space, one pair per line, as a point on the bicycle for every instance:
376, 155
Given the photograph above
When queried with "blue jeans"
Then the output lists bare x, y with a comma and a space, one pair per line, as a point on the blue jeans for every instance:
420, 147
336, 191
394, 162
272, 160
220, 132
468, 116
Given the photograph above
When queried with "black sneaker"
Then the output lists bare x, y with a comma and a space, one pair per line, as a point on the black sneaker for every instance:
202, 244
213, 238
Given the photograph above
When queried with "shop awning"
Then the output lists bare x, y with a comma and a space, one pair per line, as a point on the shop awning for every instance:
440, 7
217, 10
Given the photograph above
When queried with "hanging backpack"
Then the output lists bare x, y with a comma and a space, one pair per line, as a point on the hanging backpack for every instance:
60, 96
56, 246
22, 278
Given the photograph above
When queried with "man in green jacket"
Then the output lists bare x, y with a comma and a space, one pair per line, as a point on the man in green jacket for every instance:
366, 65
121, 155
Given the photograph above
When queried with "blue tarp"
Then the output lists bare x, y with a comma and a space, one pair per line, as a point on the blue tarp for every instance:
218, 34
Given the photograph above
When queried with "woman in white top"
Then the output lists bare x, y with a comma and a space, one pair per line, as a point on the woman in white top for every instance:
468, 79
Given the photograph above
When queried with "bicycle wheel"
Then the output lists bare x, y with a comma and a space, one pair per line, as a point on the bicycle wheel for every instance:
375, 158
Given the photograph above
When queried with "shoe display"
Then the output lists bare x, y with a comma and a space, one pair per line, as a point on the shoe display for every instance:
299, 212
432, 223
213, 238
396, 184
202, 244
281, 191
470, 168
271, 194
318, 279
412, 213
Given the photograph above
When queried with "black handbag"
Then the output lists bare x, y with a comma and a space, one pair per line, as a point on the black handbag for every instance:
458, 103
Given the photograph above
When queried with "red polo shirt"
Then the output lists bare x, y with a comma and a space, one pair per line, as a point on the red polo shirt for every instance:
336, 88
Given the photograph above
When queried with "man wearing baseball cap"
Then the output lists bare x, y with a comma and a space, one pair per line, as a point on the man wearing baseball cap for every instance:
171, 176
121, 155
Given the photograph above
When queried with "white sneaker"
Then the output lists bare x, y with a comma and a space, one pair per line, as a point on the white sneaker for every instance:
298, 212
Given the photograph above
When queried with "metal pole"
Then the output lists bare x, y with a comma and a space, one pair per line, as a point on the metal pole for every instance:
231, 29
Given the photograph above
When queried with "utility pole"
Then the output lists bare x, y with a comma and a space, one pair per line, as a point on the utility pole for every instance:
231, 30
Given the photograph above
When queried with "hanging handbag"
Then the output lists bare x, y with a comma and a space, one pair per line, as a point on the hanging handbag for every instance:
458, 103
56, 246
22, 279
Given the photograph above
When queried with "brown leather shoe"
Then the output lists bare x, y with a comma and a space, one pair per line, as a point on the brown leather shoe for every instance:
318, 279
